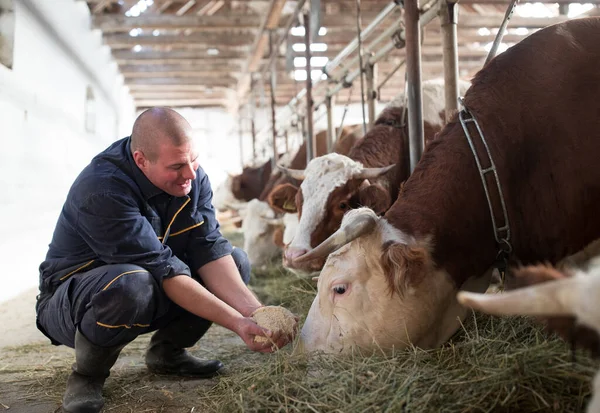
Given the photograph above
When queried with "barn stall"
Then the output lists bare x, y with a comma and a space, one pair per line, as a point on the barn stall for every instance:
75, 74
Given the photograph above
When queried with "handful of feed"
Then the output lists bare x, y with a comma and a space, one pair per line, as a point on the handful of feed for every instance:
274, 318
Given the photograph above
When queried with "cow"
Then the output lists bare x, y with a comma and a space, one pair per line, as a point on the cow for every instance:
392, 280
568, 300
333, 184
262, 252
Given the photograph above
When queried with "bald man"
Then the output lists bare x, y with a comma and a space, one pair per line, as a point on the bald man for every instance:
137, 249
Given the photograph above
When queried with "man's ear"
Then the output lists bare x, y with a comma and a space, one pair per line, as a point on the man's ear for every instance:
140, 160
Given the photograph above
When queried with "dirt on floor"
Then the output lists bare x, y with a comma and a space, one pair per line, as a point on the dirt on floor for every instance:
33, 372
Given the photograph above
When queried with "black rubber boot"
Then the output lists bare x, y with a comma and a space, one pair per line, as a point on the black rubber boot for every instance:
92, 367
167, 355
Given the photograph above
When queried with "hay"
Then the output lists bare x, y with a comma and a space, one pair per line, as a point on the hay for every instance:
494, 365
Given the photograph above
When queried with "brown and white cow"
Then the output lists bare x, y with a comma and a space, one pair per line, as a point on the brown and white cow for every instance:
568, 301
261, 233
333, 184
393, 280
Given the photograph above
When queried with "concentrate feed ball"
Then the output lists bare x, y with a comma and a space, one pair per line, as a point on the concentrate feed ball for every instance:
274, 318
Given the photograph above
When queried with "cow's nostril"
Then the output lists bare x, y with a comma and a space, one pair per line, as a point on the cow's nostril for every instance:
292, 253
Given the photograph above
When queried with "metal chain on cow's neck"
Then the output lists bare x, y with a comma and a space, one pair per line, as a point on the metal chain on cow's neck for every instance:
501, 233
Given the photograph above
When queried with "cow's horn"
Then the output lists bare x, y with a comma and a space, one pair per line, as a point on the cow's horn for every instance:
360, 224
292, 173
370, 173
553, 298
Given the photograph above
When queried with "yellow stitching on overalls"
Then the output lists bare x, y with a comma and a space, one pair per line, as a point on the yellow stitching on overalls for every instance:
122, 325
120, 275
175, 216
187, 229
73, 272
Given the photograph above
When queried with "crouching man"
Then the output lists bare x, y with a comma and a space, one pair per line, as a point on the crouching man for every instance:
137, 249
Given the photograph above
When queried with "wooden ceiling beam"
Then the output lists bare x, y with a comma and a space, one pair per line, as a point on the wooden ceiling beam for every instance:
198, 67
232, 21
223, 81
146, 55
124, 41
198, 102
178, 74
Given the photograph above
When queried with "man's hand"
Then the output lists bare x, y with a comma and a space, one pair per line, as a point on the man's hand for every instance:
247, 329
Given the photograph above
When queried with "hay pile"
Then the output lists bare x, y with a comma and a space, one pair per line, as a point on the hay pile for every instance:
495, 365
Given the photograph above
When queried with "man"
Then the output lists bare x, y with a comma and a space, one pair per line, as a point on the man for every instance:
136, 249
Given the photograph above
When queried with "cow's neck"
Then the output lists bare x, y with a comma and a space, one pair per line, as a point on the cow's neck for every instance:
444, 199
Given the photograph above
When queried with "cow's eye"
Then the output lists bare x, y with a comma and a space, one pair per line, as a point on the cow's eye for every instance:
339, 289
343, 205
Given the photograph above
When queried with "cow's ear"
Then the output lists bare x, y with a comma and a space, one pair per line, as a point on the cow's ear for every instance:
405, 266
374, 197
283, 198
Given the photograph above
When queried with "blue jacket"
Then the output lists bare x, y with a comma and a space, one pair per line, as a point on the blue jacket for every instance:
113, 214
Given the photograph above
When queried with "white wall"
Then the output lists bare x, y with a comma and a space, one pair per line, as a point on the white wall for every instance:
44, 143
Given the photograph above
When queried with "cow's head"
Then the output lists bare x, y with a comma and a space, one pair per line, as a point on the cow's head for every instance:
331, 185
379, 289
259, 227
250, 183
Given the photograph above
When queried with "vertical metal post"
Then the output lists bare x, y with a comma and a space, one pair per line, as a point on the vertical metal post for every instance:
302, 120
371, 92
253, 127
413, 71
448, 19
563, 9
311, 143
329, 104
287, 141
273, 121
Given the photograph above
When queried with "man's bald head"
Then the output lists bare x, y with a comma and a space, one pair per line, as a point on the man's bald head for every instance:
156, 126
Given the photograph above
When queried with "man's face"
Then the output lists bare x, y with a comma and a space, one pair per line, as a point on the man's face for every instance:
174, 169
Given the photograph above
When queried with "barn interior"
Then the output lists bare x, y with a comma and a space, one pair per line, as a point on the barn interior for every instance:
255, 79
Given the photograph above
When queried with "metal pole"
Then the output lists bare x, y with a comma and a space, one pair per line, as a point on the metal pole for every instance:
253, 126
311, 141
448, 20
273, 121
371, 92
287, 141
329, 104
351, 47
498, 39
413, 70
563, 9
